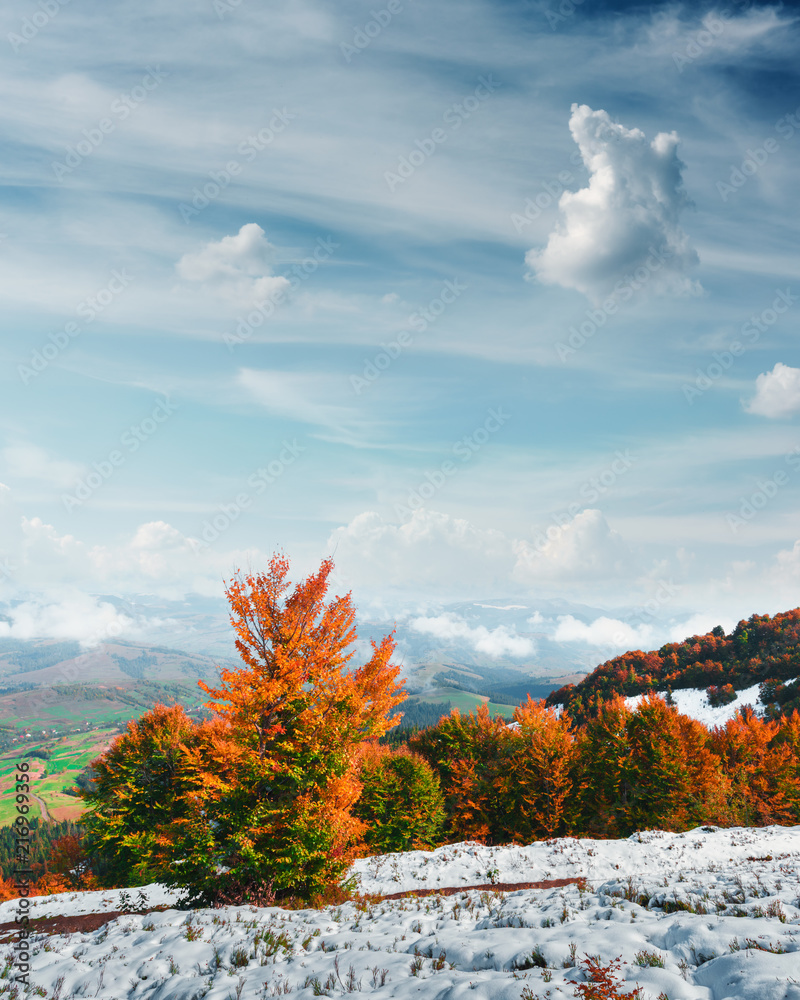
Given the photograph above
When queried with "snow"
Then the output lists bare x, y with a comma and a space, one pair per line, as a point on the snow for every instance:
733, 930
694, 703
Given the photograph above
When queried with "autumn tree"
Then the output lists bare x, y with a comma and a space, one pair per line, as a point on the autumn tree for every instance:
536, 774
273, 776
603, 753
760, 758
467, 751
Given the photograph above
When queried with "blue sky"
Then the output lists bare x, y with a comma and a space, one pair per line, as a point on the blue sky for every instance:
417, 206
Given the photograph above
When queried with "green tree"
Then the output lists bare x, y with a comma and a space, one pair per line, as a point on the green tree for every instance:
401, 801
139, 786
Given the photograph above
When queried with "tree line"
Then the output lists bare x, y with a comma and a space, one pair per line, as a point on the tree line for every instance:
760, 650
275, 793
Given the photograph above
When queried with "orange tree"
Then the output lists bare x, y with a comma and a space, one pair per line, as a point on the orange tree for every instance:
468, 754
536, 776
273, 775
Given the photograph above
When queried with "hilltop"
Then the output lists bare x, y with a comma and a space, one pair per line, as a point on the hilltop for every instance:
762, 653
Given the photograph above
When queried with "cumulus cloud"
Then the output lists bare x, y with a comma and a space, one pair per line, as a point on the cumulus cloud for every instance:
495, 642
603, 632
777, 393
614, 633
699, 624
621, 231
431, 550
586, 548
237, 268
75, 616
155, 559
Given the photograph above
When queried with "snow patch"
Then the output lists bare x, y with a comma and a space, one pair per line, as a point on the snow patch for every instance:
694, 703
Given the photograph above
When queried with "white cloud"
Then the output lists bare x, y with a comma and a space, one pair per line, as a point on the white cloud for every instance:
629, 210
308, 397
495, 642
617, 634
76, 616
237, 268
28, 461
723, 38
155, 559
603, 632
777, 393
699, 624
431, 550
586, 548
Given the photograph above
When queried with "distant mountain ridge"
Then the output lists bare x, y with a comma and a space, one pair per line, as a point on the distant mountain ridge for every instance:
760, 650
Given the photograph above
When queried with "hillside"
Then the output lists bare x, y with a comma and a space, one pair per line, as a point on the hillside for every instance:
762, 653
706, 914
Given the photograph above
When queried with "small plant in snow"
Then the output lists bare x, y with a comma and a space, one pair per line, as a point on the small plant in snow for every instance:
650, 959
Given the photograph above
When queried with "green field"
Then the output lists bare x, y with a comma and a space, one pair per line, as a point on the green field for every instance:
70, 754
464, 701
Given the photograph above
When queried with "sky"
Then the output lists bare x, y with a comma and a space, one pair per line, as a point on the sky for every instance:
486, 300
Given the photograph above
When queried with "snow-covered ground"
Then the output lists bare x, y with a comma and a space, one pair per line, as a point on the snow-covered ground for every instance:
719, 909
694, 703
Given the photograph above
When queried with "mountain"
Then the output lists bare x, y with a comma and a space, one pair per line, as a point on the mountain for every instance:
502, 647
50, 684
761, 653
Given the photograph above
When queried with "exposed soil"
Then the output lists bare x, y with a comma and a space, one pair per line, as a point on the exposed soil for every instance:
66, 924
87, 922
489, 886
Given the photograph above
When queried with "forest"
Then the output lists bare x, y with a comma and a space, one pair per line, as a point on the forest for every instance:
762, 650
286, 782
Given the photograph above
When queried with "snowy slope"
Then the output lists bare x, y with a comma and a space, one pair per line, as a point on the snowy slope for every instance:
694, 703
734, 929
